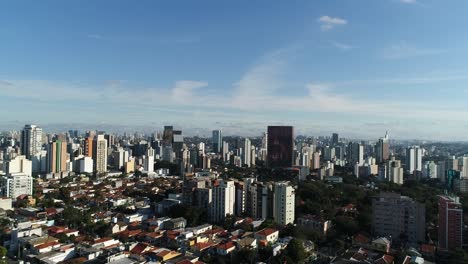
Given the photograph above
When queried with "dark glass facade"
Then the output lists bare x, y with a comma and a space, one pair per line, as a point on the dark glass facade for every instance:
280, 146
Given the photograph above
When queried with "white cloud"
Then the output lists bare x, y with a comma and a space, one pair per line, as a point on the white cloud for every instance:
183, 90
328, 23
405, 50
341, 46
408, 1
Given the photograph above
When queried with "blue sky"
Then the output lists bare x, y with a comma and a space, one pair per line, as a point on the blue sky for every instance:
355, 67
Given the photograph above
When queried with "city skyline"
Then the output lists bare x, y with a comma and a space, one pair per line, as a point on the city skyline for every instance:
323, 67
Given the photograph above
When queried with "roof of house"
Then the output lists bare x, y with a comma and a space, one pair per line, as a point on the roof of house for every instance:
266, 232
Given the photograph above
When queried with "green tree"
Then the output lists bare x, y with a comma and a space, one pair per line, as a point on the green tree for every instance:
295, 250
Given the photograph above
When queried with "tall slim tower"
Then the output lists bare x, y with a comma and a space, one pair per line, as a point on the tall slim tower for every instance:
414, 159
31, 140
280, 146
283, 203
100, 154
450, 222
217, 140
57, 157
247, 153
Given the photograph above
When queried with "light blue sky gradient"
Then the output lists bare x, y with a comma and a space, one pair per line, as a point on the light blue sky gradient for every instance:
355, 67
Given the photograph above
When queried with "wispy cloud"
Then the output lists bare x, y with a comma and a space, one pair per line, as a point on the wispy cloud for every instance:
94, 36
406, 50
341, 46
408, 1
328, 23
183, 90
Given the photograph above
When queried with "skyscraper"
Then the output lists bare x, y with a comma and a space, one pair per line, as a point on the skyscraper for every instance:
88, 147
224, 197
246, 153
31, 140
283, 203
414, 159
355, 153
280, 146
57, 157
168, 135
217, 140
335, 139
100, 154
382, 149
450, 222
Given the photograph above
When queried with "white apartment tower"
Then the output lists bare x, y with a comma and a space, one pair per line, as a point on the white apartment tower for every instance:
414, 159
283, 203
31, 140
224, 197
100, 154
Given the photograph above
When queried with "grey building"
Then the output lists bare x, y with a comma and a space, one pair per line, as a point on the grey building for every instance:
398, 217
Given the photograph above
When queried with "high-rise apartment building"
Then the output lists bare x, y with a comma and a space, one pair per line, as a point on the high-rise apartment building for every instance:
20, 164
414, 159
57, 157
148, 162
382, 149
394, 171
100, 154
15, 184
284, 203
223, 200
217, 140
399, 217
31, 140
88, 147
355, 153
315, 164
246, 153
450, 222
280, 146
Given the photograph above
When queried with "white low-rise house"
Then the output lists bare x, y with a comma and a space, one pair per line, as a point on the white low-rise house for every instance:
6, 203
134, 218
267, 234
201, 229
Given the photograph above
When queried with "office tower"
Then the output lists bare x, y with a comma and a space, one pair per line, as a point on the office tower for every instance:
177, 142
328, 153
88, 147
283, 203
168, 135
225, 151
224, 197
15, 184
20, 164
394, 171
355, 153
450, 222
280, 146
394, 215
148, 161
414, 159
167, 153
335, 139
100, 154
57, 157
382, 149
31, 140
246, 153
217, 140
